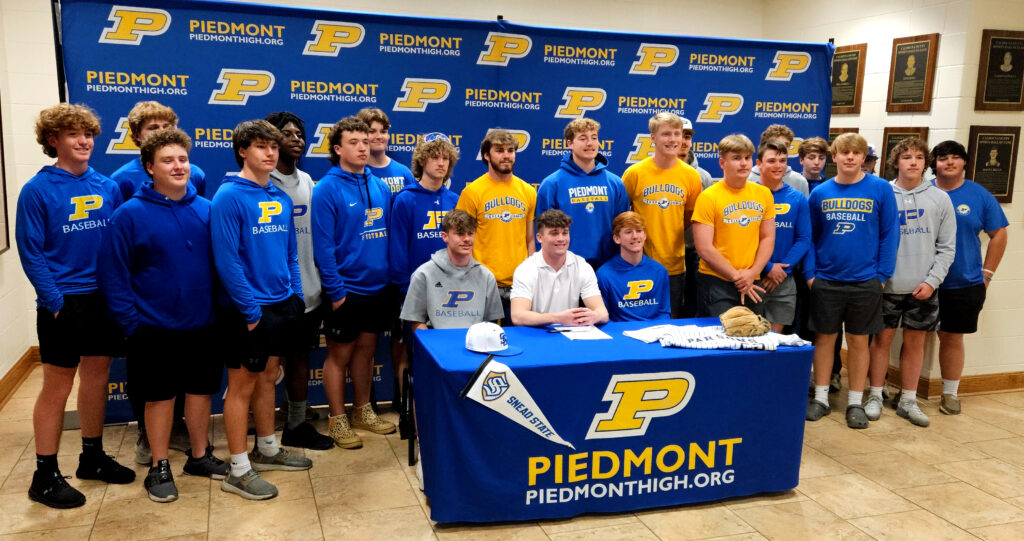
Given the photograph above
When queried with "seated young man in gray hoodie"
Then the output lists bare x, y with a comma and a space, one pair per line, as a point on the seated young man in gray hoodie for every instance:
452, 290
909, 298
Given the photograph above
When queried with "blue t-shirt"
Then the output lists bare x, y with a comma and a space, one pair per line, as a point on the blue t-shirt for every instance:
395, 175
976, 211
634, 293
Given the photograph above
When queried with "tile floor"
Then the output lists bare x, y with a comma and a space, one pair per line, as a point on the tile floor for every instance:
961, 478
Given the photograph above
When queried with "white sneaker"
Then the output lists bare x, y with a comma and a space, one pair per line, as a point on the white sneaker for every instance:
419, 467
911, 412
873, 407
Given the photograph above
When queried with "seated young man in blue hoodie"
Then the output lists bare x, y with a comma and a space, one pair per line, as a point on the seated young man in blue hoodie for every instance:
62, 212
587, 191
351, 215
792, 236
156, 253
634, 286
145, 118
256, 254
416, 218
910, 299
855, 232
395, 175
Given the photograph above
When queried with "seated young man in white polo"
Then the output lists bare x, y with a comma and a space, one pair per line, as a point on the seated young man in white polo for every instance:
548, 286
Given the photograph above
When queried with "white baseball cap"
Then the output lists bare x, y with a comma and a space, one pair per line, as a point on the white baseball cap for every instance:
489, 338
687, 125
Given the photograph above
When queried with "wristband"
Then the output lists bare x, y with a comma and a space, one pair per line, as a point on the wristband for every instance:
986, 278
988, 271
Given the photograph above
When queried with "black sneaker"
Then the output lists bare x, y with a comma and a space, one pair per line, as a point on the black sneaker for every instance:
103, 467
159, 483
206, 465
306, 437
51, 489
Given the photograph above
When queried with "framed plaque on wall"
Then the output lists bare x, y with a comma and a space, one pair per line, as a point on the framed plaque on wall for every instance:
890, 138
912, 73
1000, 71
848, 78
993, 152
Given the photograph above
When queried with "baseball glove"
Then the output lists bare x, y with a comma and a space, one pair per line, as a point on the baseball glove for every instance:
740, 321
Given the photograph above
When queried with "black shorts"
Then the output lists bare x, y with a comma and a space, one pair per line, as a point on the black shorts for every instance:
397, 325
359, 314
82, 328
959, 309
278, 334
312, 323
858, 305
718, 295
906, 311
163, 363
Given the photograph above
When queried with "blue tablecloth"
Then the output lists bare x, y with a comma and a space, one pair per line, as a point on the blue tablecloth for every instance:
739, 433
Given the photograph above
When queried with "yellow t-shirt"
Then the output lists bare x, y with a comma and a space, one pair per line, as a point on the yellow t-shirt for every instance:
503, 210
736, 216
662, 197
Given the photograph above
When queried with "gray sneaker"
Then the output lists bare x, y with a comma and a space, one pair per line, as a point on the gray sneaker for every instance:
249, 486
911, 412
283, 460
873, 407
159, 483
143, 455
950, 404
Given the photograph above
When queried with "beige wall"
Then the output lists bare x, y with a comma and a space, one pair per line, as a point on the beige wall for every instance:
996, 347
28, 82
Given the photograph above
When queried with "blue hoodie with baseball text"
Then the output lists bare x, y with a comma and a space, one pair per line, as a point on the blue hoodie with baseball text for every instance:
60, 222
156, 266
415, 235
254, 246
351, 216
592, 200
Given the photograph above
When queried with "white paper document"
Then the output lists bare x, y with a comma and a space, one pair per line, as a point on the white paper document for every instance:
588, 332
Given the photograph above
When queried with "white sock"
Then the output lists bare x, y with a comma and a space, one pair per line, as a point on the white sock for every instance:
855, 398
908, 397
240, 464
950, 386
268, 445
875, 391
821, 393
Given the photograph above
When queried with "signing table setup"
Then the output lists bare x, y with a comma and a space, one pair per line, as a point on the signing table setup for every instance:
602, 424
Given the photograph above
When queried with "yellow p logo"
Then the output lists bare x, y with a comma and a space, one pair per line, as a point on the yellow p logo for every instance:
643, 148
651, 56
421, 92
83, 205
128, 25
321, 147
372, 215
781, 208
579, 100
267, 210
638, 398
717, 105
636, 287
237, 85
329, 37
503, 47
788, 63
434, 219
123, 143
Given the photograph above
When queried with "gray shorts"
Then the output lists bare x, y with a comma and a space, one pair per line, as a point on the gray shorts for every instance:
906, 311
779, 306
718, 296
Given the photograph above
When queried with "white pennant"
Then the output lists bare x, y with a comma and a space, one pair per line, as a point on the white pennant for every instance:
498, 388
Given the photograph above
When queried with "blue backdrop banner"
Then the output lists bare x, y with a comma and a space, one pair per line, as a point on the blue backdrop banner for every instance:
220, 63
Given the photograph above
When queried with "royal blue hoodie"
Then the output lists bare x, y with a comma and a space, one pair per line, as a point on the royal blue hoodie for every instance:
132, 176
156, 265
351, 215
792, 228
60, 222
855, 230
254, 244
416, 217
592, 200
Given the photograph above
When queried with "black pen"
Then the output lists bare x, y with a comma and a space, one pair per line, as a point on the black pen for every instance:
560, 330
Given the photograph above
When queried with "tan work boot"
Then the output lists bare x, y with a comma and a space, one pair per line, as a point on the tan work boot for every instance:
342, 434
363, 417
